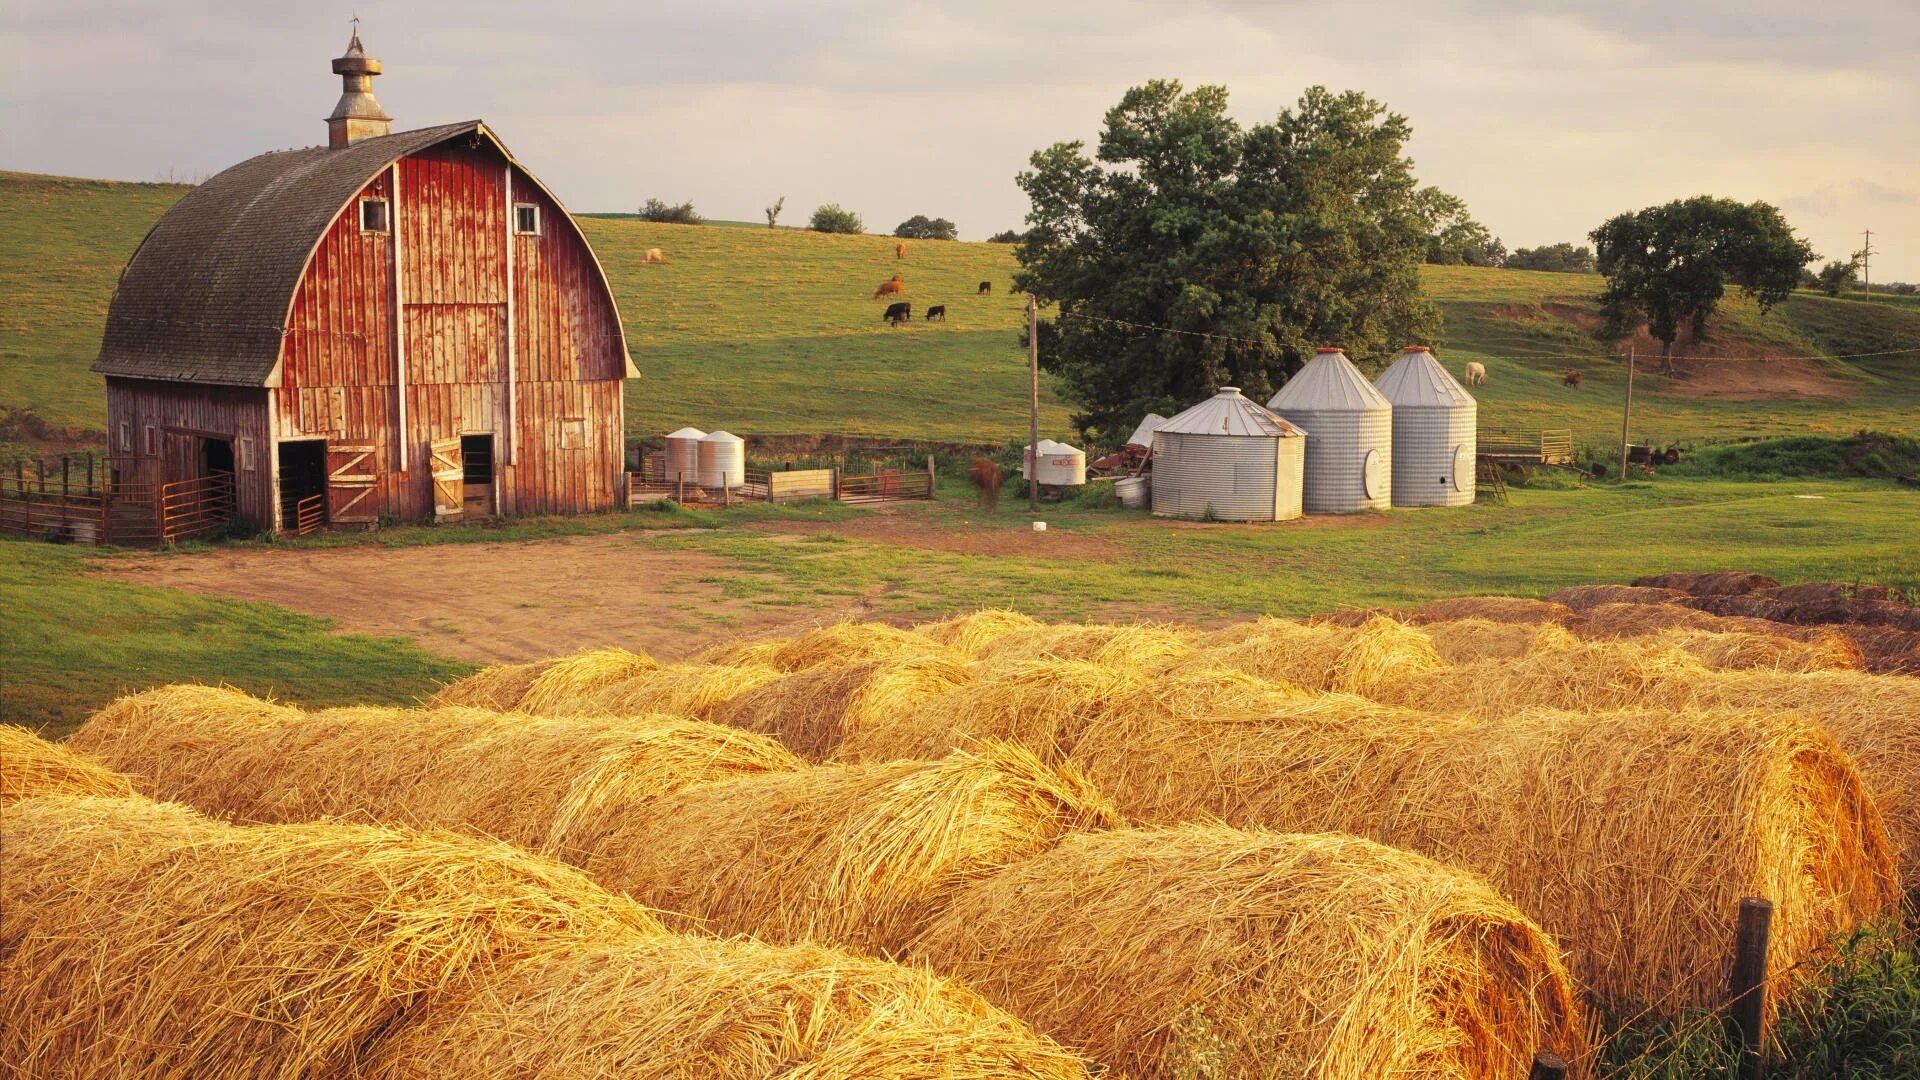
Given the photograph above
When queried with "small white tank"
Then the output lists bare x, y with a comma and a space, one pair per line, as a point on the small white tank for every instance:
723, 460
683, 455
1060, 465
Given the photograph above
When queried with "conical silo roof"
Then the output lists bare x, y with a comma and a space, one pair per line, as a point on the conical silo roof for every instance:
1229, 412
1418, 380
1329, 383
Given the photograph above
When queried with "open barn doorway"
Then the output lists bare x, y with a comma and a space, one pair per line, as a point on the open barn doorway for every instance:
303, 485
477, 475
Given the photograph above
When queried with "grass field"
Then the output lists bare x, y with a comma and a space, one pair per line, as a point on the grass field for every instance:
774, 332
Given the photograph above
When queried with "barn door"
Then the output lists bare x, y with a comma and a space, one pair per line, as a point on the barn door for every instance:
350, 480
449, 479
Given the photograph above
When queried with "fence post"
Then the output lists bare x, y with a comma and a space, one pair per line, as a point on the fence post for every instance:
66, 465
930, 474
40, 468
1748, 993
90, 490
1548, 1065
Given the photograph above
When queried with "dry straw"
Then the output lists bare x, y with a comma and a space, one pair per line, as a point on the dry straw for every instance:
860, 855
696, 690
1462, 641
139, 932
1582, 597
148, 735
1737, 651
1630, 837
814, 711
580, 675
1203, 950
1378, 658
1145, 646
837, 643
1497, 608
1638, 620
1037, 704
31, 766
972, 633
498, 687
682, 1008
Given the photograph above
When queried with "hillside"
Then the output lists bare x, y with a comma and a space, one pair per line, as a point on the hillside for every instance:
774, 332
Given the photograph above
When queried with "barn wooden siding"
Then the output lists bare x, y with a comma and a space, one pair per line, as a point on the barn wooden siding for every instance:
179, 415
562, 451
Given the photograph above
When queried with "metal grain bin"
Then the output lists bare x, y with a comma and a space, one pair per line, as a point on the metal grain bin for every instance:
683, 455
1228, 459
1350, 454
1435, 431
722, 460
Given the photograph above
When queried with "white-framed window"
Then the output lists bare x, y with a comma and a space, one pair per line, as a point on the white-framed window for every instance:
126, 437
376, 216
526, 219
246, 455
153, 440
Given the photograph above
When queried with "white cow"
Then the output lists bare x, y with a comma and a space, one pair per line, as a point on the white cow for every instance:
1476, 374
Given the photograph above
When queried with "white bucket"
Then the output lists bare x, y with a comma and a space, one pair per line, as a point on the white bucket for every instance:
1134, 492
1039, 526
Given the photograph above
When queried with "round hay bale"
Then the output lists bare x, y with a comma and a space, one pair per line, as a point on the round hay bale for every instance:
1630, 836
570, 678
1377, 658
142, 933
1202, 950
1731, 651
1587, 676
1718, 583
838, 643
31, 766
144, 735
972, 633
1608, 621
816, 710
1495, 608
1145, 646
859, 855
696, 690
1887, 651
1036, 704
498, 687
1463, 641
1745, 606
685, 1008
1582, 597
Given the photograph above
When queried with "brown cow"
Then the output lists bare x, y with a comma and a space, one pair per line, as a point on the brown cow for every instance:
1572, 378
895, 287
900, 250
986, 480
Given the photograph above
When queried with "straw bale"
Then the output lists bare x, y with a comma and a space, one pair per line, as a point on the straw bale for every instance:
1630, 836
696, 690
1827, 592
30, 766
1588, 676
1462, 641
1730, 651
684, 1008
1496, 608
859, 855
1377, 658
1887, 651
144, 735
498, 687
1582, 597
1147, 646
577, 676
1605, 621
837, 643
142, 937
1744, 605
974, 632
814, 711
1718, 583
1207, 950
1037, 704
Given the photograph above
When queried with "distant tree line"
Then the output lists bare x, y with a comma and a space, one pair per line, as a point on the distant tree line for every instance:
1564, 258
671, 213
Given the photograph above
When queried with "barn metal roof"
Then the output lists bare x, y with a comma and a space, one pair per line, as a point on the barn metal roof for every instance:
1329, 383
1143, 434
1418, 380
1229, 413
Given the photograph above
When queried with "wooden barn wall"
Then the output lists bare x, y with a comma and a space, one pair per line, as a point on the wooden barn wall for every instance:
453, 227
229, 412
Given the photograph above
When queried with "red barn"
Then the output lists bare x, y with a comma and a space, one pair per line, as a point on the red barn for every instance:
393, 325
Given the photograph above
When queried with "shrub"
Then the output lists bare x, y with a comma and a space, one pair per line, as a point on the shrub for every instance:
657, 210
922, 227
1871, 454
832, 218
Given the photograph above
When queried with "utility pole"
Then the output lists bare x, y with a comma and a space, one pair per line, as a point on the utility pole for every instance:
1866, 260
1626, 415
1033, 404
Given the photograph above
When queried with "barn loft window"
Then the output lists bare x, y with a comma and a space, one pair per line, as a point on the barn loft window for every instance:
153, 440
374, 216
246, 455
126, 437
526, 219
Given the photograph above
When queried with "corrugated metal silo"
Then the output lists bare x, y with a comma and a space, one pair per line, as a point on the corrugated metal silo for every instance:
1228, 459
1435, 431
1350, 453
683, 455
723, 460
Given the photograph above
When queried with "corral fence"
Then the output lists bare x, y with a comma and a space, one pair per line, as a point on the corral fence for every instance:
1516, 446
77, 500
650, 484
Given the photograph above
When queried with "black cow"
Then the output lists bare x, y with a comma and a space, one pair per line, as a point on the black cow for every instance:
898, 313
986, 289
937, 311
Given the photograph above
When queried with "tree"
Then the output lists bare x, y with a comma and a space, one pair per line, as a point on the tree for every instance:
921, 227
1453, 237
832, 219
1669, 266
773, 212
1006, 236
682, 214
1835, 277
1563, 258
1253, 245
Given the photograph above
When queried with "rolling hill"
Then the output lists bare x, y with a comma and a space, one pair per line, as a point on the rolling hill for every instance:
774, 332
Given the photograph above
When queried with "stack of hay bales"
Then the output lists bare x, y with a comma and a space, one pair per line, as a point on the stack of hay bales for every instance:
30, 766
973, 632
1378, 658
1037, 704
1208, 951
815, 710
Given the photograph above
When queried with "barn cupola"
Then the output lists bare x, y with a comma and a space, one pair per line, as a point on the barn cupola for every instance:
357, 116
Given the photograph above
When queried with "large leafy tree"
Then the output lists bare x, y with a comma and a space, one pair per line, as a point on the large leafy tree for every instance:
1454, 238
922, 227
1251, 244
1669, 266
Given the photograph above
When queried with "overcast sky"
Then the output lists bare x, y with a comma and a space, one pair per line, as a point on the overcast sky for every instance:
1546, 117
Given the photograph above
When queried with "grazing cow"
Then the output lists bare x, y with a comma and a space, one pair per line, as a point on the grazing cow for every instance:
1572, 378
937, 311
986, 289
986, 480
1476, 374
654, 255
895, 287
900, 250
898, 314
